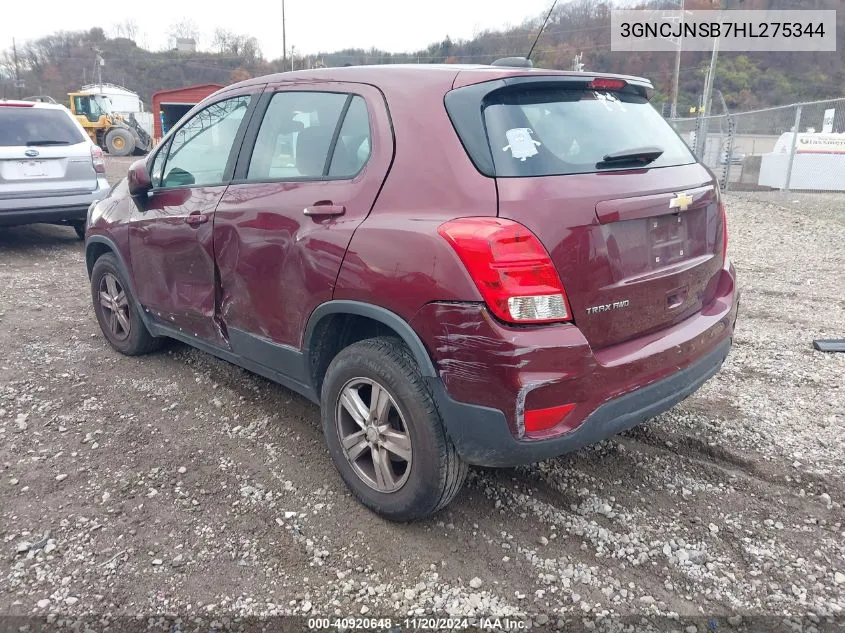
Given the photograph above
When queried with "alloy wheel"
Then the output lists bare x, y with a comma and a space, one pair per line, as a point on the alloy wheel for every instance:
373, 435
115, 307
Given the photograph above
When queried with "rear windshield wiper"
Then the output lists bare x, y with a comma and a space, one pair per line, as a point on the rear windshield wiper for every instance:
47, 142
638, 155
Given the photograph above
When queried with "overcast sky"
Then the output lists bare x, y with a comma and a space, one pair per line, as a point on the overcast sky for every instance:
325, 25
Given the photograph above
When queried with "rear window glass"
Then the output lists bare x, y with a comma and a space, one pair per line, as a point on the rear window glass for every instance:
544, 132
37, 126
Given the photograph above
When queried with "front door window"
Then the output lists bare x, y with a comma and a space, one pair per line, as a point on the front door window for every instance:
199, 151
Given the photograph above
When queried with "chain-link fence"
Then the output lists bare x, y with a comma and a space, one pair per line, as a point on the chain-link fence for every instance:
760, 150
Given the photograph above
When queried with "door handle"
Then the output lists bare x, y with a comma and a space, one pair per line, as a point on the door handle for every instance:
196, 218
324, 208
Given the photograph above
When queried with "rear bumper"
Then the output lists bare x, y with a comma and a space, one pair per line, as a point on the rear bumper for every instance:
63, 208
483, 438
490, 374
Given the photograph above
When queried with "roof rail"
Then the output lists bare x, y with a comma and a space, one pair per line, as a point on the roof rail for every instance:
514, 62
40, 99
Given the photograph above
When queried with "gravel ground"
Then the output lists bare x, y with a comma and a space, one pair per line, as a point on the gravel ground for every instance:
176, 483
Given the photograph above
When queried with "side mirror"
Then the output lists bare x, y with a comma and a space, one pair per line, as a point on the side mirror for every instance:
139, 178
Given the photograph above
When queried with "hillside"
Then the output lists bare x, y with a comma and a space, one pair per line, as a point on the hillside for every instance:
63, 61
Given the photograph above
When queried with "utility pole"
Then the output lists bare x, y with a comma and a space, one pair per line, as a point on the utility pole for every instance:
284, 46
704, 121
676, 79
99, 62
701, 137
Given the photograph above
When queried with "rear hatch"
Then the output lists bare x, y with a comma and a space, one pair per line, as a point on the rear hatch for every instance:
43, 153
632, 222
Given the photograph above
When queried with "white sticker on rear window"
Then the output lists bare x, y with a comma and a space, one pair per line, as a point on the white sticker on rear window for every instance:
521, 144
608, 100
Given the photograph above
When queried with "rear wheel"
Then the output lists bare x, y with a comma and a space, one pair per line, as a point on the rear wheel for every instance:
117, 311
385, 434
120, 142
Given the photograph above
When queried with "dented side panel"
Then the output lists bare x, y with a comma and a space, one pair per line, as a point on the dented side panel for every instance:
173, 261
276, 264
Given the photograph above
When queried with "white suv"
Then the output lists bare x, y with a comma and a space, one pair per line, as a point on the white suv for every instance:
50, 170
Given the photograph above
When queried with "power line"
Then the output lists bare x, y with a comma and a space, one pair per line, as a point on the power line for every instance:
512, 35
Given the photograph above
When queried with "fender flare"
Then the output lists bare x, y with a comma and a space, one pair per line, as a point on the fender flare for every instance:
376, 313
121, 264
108, 243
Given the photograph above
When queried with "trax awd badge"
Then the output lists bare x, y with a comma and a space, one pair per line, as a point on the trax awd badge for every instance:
681, 201
616, 305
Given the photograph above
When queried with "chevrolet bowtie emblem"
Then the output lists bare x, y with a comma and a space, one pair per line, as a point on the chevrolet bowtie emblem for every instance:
681, 201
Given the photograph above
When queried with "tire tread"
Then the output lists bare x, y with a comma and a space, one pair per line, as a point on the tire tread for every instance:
453, 470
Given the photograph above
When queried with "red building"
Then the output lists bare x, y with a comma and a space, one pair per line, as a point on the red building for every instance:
171, 105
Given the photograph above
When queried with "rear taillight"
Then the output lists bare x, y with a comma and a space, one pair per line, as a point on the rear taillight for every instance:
724, 212
97, 159
510, 267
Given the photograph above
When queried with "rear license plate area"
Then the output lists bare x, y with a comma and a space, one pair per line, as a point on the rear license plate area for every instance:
32, 168
668, 239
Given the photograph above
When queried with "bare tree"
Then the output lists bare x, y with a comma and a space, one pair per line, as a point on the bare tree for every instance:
244, 46
250, 50
128, 29
184, 29
220, 40
7, 64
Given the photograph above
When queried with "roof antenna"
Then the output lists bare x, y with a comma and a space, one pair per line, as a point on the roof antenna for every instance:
525, 62
542, 28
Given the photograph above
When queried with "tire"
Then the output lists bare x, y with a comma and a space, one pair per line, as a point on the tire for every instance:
131, 336
120, 142
79, 227
433, 475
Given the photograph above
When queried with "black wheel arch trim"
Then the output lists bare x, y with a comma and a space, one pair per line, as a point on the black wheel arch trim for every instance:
109, 243
337, 306
124, 269
377, 313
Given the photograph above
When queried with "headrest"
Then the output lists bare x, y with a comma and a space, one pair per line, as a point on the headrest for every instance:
312, 147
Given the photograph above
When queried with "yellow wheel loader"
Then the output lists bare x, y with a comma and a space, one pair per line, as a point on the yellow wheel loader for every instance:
116, 135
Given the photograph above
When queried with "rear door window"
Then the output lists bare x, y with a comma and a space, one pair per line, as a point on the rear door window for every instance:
544, 132
353, 143
311, 136
37, 126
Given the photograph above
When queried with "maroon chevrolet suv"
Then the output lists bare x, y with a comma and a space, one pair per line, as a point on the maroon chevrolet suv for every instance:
463, 265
